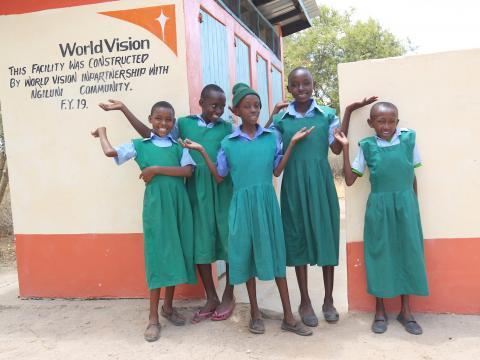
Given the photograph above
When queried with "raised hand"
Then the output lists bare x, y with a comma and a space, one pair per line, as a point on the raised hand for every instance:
302, 133
359, 104
113, 105
340, 136
189, 144
96, 133
279, 106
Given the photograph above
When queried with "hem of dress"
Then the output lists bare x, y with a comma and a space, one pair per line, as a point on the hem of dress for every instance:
311, 264
211, 261
389, 296
171, 283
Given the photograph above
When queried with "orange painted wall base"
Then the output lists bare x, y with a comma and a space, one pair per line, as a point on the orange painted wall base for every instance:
86, 266
453, 273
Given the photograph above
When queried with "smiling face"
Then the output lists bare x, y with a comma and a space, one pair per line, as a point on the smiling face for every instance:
162, 120
248, 109
213, 106
384, 120
300, 85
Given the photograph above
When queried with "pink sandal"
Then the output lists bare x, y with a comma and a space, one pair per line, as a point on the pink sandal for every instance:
224, 315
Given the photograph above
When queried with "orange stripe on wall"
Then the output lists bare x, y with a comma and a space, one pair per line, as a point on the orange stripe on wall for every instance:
28, 6
453, 273
86, 266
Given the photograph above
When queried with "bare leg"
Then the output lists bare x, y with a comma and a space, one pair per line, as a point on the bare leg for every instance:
252, 296
152, 332
302, 279
154, 300
205, 271
284, 297
168, 301
379, 308
328, 275
406, 313
228, 300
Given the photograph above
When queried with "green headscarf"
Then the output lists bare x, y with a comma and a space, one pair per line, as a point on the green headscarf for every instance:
240, 90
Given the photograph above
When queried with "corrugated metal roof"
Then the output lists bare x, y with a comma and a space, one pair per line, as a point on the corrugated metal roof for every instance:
291, 15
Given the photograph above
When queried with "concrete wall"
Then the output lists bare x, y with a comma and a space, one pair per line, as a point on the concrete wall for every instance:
77, 216
437, 95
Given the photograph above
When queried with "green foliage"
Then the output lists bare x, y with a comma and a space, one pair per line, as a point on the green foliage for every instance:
334, 39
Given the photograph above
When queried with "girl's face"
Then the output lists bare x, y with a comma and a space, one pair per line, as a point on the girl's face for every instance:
162, 120
384, 121
248, 109
300, 85
213, 106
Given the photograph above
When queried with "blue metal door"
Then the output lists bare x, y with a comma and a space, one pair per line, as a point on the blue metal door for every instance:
214, 47
277, 86
262, 89
242, 62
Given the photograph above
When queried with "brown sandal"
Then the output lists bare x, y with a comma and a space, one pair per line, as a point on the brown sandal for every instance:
152, 332
174, 317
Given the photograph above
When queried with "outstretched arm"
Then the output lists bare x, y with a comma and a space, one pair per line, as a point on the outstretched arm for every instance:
140, 127
279, 106
299, 135
336, 146
187, 143
350, 176
107, 148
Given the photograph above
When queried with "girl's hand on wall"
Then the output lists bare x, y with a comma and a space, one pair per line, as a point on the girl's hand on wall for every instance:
340, 137
359, 104
114, 105
301, 134
189, 144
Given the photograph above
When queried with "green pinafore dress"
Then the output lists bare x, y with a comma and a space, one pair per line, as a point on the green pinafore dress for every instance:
256, 246
309, 202
167, 219
210, 201
393, 239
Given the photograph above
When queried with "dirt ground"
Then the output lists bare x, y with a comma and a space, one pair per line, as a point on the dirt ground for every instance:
113, 329
7, 245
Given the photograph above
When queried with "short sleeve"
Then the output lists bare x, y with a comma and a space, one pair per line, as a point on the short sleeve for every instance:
223, 167
358, 165
125, 152
187, 158
335, 124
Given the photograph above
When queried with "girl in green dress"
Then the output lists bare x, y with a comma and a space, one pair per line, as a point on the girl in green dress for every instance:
167, 215
309, 202
256, 246
393, 239
210, 201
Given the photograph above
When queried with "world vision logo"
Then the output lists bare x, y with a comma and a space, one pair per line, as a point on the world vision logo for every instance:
159, 20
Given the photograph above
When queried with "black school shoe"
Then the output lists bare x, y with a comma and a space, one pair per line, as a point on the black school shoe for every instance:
380, 324
410, 325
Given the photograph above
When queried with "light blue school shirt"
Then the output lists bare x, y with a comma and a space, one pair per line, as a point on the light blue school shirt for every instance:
314, 107
223, 167
127, 151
